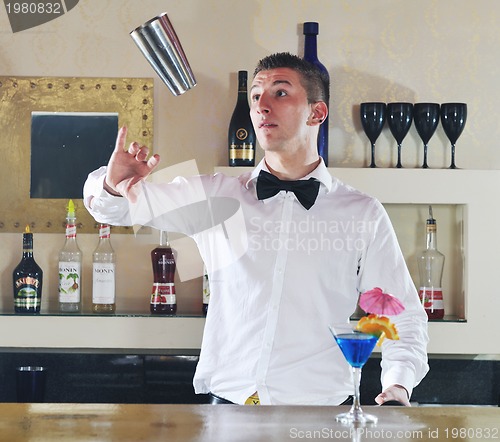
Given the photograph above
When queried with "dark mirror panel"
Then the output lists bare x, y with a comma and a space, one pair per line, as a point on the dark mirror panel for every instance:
66, 147
53, 131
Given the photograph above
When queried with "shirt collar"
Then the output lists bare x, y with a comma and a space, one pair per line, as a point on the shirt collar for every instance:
320, 173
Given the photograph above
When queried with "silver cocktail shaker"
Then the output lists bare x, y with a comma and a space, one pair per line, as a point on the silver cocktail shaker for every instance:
160, 45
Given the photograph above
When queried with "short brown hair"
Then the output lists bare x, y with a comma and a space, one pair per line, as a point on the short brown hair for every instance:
315, 82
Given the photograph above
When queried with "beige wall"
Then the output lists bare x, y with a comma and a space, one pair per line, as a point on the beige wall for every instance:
388, 50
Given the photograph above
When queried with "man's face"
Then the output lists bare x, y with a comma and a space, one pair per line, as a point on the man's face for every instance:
279, 110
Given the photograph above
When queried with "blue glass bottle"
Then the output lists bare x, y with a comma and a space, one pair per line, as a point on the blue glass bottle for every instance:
311, 31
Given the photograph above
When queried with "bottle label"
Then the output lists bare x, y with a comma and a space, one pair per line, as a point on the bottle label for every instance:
69, 281
431, 298
163, 293
70, 231
104, 231
103, 287
242, 134
244, 151
27, 293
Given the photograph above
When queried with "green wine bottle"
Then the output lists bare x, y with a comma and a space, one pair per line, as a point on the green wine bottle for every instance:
241, 135
27, 279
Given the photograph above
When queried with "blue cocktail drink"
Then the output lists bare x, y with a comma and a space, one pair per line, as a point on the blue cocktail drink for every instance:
356, 347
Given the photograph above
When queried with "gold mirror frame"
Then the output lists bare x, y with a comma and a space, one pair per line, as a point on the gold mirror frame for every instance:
131, 98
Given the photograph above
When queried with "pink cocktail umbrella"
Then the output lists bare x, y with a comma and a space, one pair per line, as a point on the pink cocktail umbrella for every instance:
380, 303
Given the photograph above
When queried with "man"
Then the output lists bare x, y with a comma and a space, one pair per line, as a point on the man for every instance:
304, 254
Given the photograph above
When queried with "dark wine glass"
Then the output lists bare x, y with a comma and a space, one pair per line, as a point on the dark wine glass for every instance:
372, 119
453, 118
426, 118
399, 118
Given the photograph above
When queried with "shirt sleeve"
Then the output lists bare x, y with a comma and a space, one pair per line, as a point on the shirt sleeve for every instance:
182, 205
404, 361
104, 207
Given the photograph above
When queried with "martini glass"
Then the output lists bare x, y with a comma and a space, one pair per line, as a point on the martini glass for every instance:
356, 348
426, 117
399, 117
372, 116
453, 118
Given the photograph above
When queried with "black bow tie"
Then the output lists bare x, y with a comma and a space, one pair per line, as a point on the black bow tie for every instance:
306, 191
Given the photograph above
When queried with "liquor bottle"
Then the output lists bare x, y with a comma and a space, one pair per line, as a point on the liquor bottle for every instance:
103, 273
430, 266
241, 135
70, 266
311, 31
163, 300
206, 291
27, 279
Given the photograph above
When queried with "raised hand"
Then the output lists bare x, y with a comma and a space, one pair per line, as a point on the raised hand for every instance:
126, 168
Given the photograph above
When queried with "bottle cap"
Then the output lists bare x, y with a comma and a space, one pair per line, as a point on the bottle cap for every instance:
311, 28
164, 238
431, 220
71, 209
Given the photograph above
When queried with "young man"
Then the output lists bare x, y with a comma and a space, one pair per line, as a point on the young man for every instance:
295, 262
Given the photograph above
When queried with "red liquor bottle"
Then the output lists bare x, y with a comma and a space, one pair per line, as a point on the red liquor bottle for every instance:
163, 300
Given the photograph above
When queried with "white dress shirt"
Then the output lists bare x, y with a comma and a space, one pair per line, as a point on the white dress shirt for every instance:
279, 275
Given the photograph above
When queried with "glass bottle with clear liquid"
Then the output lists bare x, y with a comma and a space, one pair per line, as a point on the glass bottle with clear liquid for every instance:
103, 273
70, 266
430, 266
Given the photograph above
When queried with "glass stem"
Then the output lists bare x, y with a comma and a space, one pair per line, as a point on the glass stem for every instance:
453, 166
399, 165
356, 377
425, 165
372, 164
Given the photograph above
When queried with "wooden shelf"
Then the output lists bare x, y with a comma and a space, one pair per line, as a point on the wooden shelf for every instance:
101, 332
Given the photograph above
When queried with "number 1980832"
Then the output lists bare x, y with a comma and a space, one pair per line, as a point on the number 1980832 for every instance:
472, 433
34, 8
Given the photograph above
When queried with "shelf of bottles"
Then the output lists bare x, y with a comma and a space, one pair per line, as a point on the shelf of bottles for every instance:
409, 222
466, 205
406, 195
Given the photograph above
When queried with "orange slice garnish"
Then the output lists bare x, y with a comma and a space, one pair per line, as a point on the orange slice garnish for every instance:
379, 326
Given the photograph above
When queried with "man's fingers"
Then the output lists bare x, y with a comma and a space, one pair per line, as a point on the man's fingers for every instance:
139, 152
120, 139
153, 161
133, 148
393, 393
142, 153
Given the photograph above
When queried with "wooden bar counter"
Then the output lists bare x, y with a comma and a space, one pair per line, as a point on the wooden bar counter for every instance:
234, 423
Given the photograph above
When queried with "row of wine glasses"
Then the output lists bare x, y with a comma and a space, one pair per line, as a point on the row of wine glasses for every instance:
399, 118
